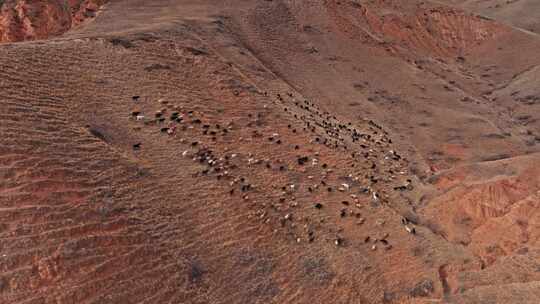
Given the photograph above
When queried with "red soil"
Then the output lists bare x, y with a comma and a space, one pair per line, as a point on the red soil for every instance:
410, 115
31, 19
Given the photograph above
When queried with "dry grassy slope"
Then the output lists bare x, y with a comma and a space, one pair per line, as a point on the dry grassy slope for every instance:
520, 13
88, 219
360, 76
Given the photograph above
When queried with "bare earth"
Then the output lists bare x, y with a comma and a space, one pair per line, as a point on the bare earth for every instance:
270, 151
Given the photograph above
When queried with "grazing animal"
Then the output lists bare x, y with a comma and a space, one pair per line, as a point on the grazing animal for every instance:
302, 160
404, 221
375, 197
410, 230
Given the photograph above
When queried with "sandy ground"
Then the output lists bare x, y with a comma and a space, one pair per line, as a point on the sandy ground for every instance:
179, 151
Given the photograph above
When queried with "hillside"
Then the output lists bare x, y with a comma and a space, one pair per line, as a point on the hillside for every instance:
520, 13
182, 151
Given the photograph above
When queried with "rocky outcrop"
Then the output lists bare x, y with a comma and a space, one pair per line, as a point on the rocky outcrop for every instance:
22, 20
489, 207
441, 31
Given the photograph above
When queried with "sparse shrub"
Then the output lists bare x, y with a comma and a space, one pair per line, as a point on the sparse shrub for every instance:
195, 272
122, 42
422, 289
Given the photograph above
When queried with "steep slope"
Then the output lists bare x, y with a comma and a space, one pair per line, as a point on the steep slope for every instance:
520, 13
188, 151
102, 204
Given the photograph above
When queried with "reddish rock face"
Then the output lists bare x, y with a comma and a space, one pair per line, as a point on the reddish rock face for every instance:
437, 30
31, 19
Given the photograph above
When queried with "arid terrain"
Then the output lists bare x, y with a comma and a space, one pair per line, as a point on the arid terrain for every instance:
269, 151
